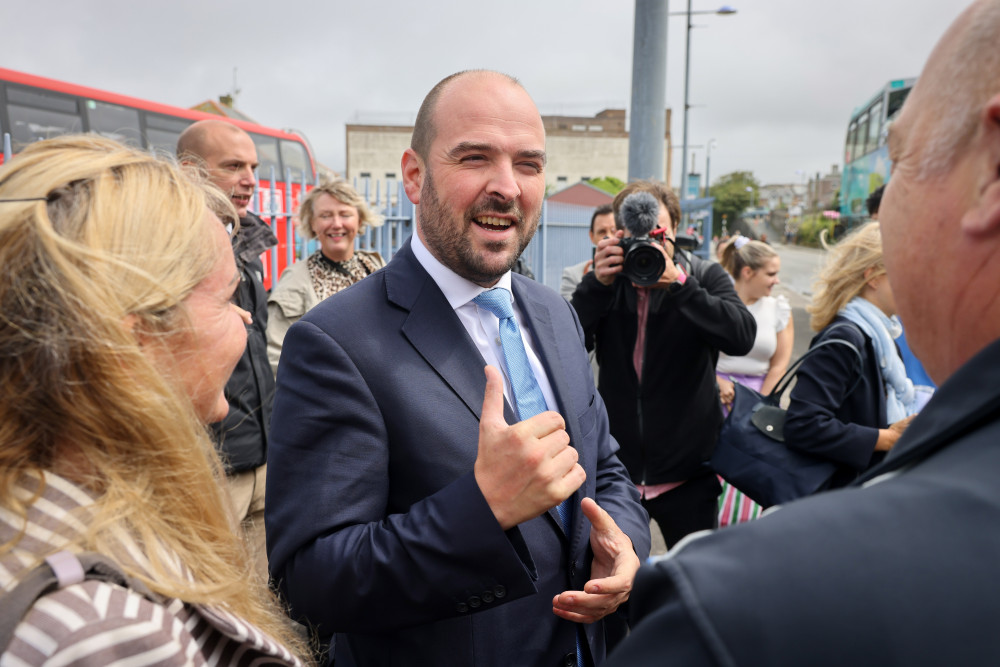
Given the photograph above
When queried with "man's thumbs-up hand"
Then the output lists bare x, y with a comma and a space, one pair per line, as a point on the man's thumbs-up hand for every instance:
523, 469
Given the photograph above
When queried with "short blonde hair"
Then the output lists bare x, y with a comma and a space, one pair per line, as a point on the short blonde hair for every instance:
106, 240
345, 194
845, 273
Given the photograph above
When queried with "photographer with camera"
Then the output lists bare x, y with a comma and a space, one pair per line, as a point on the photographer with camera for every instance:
658, 318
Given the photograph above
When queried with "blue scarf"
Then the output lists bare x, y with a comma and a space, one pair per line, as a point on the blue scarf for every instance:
900, 398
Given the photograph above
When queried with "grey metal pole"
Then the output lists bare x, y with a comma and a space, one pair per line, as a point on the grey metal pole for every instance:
687, 79
647, 125
708, 156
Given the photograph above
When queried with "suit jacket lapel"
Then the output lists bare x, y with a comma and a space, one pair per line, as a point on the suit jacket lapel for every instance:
435, 331
556, 358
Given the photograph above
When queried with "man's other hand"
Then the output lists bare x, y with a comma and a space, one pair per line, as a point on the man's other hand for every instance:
611, 573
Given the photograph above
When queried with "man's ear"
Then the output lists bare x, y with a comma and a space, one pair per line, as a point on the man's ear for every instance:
412, 166
983, 219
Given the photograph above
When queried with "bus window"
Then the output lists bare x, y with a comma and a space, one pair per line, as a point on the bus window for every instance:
896, 99
267, 156
862, 135
874, 126
39, 114
294, 157
162, 132
114, 121
852, 131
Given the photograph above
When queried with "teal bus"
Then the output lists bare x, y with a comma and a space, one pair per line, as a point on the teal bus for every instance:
866, 156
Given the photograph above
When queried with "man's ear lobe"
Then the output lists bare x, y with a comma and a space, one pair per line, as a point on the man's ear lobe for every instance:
412, 167
983, 219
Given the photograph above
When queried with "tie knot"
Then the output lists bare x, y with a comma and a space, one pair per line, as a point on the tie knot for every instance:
497, 301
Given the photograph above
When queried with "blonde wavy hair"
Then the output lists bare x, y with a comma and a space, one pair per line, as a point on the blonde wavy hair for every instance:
845, 273
116, 236
345, 194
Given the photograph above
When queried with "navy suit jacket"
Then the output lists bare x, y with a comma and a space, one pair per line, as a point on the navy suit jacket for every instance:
376, 528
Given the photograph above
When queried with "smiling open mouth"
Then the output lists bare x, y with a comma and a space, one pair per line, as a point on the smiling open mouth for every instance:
494, 224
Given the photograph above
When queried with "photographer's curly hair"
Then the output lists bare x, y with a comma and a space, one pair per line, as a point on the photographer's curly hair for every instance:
663, 194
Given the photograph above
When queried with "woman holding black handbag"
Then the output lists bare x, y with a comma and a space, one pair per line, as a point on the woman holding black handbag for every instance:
754, 267
836, 412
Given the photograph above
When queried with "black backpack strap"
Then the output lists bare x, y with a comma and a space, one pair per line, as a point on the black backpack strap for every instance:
786, 379
59, 570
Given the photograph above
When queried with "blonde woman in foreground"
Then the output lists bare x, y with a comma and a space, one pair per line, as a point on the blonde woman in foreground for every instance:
117, 335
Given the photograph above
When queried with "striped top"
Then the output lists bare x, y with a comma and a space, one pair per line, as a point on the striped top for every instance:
97, 623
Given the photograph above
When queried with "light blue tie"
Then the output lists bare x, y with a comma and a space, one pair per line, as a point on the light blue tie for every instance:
528, 398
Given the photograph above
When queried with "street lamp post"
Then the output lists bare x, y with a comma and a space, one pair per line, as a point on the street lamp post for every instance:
724, 10
708, 156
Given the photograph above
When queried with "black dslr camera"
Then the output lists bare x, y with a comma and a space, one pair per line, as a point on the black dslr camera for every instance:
644, 262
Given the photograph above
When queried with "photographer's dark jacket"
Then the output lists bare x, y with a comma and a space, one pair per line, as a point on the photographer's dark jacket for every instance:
242, 435
666, 425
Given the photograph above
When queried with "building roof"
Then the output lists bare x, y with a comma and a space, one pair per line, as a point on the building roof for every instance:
581, 194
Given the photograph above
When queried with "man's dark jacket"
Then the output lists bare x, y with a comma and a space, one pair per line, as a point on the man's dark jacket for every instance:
242, 435
666, 425
899, 569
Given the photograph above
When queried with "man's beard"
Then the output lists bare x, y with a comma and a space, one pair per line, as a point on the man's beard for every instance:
447, 240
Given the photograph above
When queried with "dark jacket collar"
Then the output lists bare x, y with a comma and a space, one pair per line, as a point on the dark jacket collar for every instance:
253, 238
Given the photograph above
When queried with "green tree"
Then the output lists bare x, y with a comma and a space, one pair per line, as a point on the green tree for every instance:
732, 197
609, 184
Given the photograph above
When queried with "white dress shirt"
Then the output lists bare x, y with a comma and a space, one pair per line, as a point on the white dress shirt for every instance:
482, 325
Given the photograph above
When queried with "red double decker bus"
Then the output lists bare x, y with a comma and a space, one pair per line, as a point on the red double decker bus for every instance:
33, 108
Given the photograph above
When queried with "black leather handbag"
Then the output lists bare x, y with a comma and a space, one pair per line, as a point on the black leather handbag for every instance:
751, 453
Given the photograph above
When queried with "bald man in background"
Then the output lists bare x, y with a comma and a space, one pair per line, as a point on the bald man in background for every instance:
230, 158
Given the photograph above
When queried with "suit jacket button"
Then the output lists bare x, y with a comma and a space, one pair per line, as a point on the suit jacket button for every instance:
487, 596
475, 602
569, 660
461, 608
499, 591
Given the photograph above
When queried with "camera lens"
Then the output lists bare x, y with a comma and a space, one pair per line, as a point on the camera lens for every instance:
643, 263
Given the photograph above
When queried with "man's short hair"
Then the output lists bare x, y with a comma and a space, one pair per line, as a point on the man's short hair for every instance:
603, 209
661, 192
423, 128
874, 200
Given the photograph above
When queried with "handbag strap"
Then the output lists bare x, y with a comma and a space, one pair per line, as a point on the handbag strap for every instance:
57, 571
786, 379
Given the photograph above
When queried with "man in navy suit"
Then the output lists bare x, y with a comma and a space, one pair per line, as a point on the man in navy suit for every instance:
408, 511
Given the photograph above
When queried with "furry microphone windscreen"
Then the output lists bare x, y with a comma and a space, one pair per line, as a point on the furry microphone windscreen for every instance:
639, 213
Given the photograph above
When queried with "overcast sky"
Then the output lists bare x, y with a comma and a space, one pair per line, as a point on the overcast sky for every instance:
774, 84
